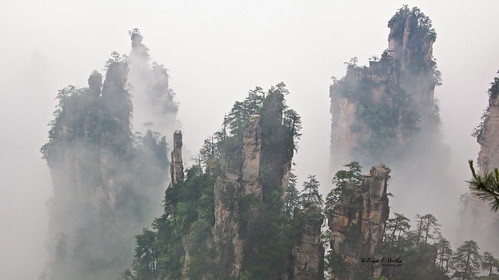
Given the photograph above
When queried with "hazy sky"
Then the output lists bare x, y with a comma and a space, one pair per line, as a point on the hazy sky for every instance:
216, 51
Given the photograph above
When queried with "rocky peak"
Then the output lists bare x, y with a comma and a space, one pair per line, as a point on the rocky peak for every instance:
411, 37
116, 77
357, 223
138, 49
234, 190
176, 165
252, 172
378, 111
95, 83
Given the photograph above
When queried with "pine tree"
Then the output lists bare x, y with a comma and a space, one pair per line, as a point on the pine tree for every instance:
292, 199
310, 191
397, 226
467, 261
485, 187
489, 263
444, 253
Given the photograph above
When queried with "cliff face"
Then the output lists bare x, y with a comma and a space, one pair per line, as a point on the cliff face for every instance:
479, 222
307, 260
238, 185
102, 176
488, 158
377, 110
246, 188
357, 224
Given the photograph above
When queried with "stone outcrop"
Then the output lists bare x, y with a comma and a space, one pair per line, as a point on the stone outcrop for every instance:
308, 253
176, 164
357, 224
378, 110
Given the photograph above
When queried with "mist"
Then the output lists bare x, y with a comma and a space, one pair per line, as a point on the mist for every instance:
215, 52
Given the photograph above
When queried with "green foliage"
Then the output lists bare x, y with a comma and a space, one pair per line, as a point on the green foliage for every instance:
384, 118
494, 88
478, 130
444, 253
240, 113
189, 206
384, 93
421, 31
345, 181
292, 199
467, 260
104, 179
188, 217
418, 21
420, 259
426, 228
486, 186
272, 239
310, 192
489, 263
146, 255
272, 233
493, 92
336, 265
292, 121
98, 120
398, 226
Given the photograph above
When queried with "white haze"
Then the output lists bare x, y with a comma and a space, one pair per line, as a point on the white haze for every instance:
216, 51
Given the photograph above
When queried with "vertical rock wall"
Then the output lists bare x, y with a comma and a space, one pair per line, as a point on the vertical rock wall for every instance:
488, 157
357, 223
246, 186
232, 187
308, 253
478, 221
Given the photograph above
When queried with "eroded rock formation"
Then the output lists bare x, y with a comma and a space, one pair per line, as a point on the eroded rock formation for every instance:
488, 157
357, 224
102, 176
176, 164
308, 253
234, 190
245, 189
377, 110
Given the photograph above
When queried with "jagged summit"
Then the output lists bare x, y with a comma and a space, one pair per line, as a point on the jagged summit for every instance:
378, 111
411, 38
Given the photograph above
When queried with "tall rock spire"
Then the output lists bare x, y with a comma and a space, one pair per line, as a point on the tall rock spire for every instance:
176, 165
